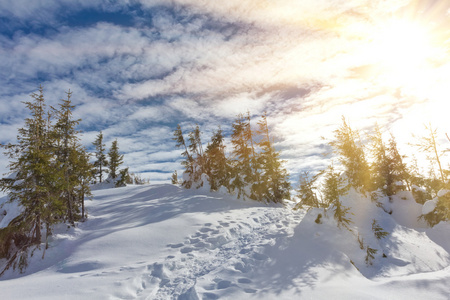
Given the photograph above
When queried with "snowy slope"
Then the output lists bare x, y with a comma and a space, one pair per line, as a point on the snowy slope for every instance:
164, 242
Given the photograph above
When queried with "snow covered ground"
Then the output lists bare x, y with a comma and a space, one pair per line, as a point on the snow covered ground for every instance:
165, 242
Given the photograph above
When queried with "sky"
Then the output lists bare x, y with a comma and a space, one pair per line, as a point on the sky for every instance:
137, 68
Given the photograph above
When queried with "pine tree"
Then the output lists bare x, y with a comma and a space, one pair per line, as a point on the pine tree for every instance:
351, 154
334, 187
382, 166
174, 177
274, 178
188, 163
100, 155
370, 255
196, 149
216, 163
241, 174
124, 177
84, 173
255, 168
378, 230
50, 176
115, 160
31, 184
429, 145
441, 211
71, 159
399, 168
306, 191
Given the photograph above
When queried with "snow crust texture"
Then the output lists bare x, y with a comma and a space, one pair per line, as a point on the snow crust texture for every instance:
164, 242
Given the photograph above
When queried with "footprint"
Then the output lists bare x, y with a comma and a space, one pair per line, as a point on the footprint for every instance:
201, 235
209, 296
205, 229
175, 245
186, 250
245, 251
210, 287
241, 267
203, 245
244, 280
223, 284
250, 291
217, 241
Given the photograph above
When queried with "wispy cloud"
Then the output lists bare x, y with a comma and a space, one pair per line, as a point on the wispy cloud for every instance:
137, 68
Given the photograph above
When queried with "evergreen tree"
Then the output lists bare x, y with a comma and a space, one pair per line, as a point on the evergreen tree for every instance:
378, 230
115, 160
418, 183
174, 177
255, 175
123, 178
136, 179
351, 154
429, 145
370, 255
334, 187
216, 163
50, 175
31, 184
188, 163
274, 178
242, 158
196, 149
387, 167
441, 211
101, 161
399, 168
381, 166
306, 191
71, 160
83, 173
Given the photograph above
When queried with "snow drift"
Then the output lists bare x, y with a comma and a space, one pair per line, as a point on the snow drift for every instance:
165, 242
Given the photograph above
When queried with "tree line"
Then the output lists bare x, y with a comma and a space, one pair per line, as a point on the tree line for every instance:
50, 176
253, 169
377, 169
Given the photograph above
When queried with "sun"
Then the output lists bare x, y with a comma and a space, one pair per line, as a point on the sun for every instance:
401, 49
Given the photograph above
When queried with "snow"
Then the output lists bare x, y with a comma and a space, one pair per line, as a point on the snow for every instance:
442, 193
165, 242
418, 188
429, 206
8, 211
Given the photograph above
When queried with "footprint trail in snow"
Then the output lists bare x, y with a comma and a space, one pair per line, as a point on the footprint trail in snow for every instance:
219, 258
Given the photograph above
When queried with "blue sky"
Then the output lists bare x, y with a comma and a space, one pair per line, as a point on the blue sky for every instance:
137, 68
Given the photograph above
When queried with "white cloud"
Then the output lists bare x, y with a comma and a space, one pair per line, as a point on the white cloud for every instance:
199, 61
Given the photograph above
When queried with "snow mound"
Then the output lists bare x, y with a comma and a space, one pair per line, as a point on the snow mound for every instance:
429, 206
442, 193
166, 242
405, 250
8, 211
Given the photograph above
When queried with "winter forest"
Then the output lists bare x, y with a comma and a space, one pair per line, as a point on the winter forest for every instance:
51, 175
239, 149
